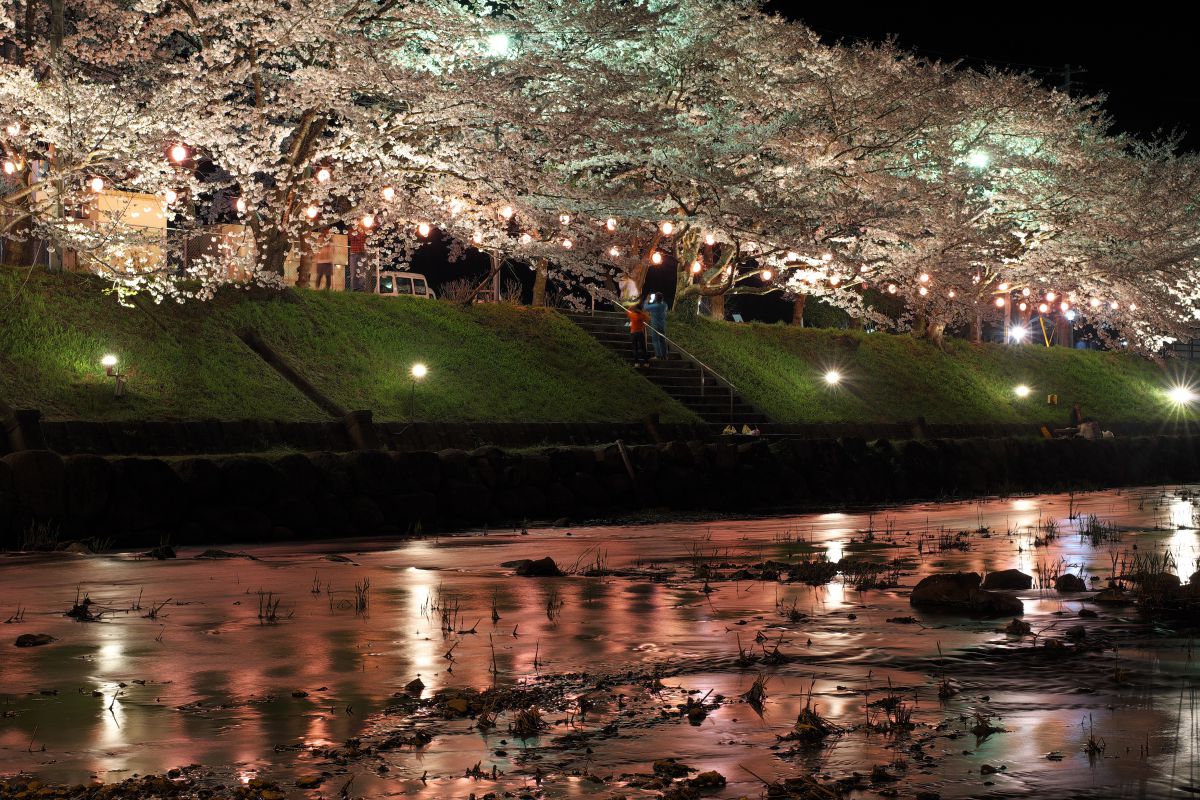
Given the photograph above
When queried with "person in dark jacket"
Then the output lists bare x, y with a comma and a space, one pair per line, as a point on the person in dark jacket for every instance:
657, 307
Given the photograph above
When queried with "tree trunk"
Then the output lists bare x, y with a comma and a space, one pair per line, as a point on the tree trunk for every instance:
920, 326
977, 327
304, 267
273, 247
716, 306
936, 333
1063, 333
541, 274
798, 309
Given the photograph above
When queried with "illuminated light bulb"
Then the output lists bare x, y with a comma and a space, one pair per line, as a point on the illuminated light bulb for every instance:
1043, 308
709, 239
419, 371
567, 244
1003, 287
13, 128
1022, 390
923, 277
1022, 305
1063, 306
507, 212
1071, 316
170, 195
610, 223
565, 219
1050, 296
9, 168
827, 257
922, 291
109, 361
767, 274
477, 237
241, 205
832, 377
179, 153
389, 193
323, 174
97, 185
697, 267
1025, 292
667, 228
311, 212
834, 280
526, 238
368, 220
656, 257
614, 251
891, 288
951, 294
1094, 303
999, 302
1018, 333
423, 229
1114, 305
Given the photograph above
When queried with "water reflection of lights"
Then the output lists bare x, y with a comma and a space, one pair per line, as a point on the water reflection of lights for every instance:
1024, 505
835, 547
422, 650
1183, 514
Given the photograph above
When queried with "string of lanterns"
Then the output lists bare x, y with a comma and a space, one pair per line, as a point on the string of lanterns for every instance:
179, 153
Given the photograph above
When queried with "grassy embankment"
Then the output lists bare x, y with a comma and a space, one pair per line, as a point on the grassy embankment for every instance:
888, 378
487, 363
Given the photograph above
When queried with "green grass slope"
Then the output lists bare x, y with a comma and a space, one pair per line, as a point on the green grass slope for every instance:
181, 363
486, 363
893, 378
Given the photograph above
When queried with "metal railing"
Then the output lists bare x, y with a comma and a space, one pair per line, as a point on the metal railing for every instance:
705, 370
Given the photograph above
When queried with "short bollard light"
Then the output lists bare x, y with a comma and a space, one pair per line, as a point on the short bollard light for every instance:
1181, 395
1022, 391
113, 371
418, 372
833, 377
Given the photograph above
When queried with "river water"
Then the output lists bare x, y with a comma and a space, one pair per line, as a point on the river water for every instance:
206, 681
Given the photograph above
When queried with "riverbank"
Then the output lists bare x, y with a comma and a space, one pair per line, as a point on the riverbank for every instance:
306, 357
46, 498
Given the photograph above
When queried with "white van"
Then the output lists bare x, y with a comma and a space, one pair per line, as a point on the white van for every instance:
408, 284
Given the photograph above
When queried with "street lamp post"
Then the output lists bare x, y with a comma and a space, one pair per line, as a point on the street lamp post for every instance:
417, 372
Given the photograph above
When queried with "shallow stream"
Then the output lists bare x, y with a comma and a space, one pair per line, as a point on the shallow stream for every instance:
205, 680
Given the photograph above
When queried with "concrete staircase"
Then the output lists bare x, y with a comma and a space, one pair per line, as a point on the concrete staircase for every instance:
680, 376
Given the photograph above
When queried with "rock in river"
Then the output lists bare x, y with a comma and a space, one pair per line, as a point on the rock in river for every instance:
1068, 582
1007, 579
539, 568
33, 639
961, 592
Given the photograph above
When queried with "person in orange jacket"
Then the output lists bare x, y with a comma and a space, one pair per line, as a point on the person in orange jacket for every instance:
638, 319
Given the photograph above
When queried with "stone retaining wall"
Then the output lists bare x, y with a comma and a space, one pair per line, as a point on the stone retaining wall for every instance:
141, 502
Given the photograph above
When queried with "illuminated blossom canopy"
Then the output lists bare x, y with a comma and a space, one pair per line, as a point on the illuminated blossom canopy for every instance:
588, 139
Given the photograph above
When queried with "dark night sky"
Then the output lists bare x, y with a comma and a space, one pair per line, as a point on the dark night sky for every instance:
1142, 56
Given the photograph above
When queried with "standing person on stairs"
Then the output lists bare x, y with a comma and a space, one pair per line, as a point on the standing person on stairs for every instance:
658, 324
637, 333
